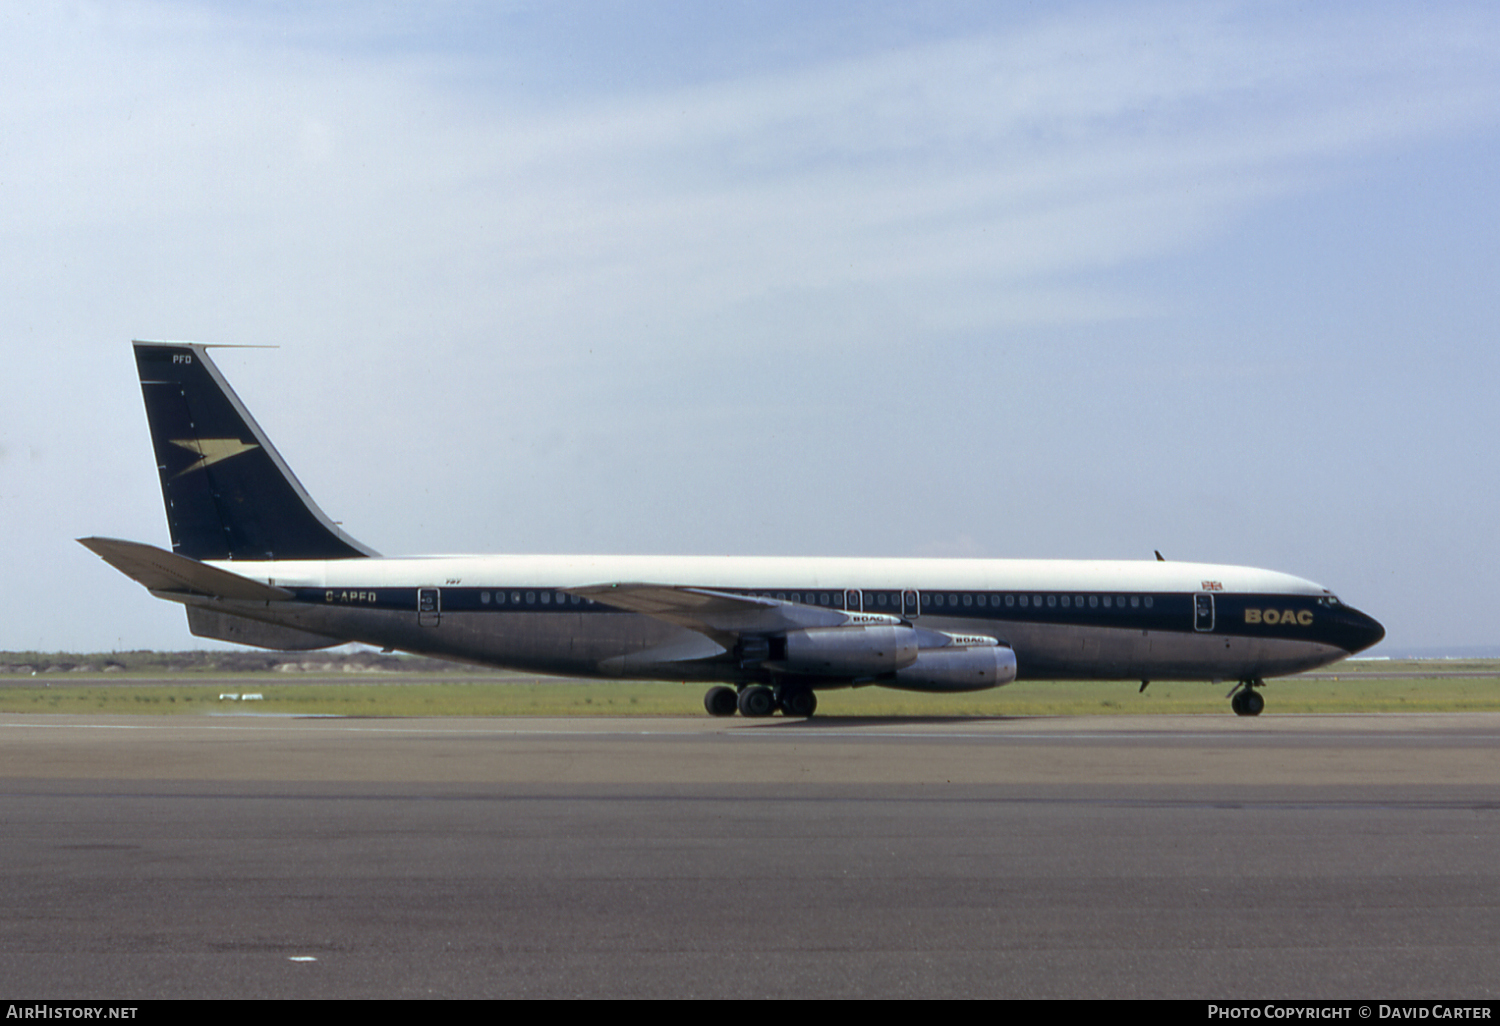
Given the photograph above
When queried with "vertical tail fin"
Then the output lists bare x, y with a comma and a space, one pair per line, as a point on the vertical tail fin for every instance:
229, 494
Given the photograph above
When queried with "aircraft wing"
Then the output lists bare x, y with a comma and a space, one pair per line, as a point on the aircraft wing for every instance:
719, 615
163, 571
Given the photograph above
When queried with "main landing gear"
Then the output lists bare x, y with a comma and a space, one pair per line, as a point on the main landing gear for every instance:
720, 701
758, 700
1245, 700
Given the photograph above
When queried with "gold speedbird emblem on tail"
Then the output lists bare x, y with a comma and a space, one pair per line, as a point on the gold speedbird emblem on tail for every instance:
211, 450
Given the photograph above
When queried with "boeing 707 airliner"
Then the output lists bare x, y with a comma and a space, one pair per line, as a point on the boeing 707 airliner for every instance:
255, 561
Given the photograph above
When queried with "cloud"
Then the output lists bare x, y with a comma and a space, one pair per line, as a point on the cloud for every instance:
1064, 147
506, 240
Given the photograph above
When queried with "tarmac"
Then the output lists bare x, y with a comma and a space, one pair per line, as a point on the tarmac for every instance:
1205, 857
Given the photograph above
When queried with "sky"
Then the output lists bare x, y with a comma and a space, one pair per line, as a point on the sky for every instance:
1062, 280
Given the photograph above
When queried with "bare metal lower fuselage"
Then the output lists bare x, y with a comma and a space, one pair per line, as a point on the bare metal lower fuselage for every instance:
577, 644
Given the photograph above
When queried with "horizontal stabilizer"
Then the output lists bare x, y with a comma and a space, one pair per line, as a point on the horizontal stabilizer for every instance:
160, 570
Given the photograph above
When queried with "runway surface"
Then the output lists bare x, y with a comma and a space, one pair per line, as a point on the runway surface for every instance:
1205, 857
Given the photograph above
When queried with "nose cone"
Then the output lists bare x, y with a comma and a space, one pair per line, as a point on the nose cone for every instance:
1359, 631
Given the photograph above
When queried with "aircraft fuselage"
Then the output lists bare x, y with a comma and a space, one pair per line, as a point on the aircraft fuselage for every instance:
1064, 619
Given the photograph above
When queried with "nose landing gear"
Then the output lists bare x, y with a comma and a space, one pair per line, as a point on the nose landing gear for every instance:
1245, 700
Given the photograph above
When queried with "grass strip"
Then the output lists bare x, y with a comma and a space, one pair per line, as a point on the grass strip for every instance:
1350, 688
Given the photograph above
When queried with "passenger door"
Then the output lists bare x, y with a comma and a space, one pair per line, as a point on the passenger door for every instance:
429, 607
1203, 611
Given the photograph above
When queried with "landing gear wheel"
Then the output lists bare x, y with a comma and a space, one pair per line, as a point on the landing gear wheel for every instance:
1247, 702
757, 700
798, 702
721, 701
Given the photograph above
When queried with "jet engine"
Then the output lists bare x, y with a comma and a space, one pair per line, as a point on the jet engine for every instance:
849, 651
912, 659
957, 668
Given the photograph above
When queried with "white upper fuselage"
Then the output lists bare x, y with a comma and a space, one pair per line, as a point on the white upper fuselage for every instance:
758, 572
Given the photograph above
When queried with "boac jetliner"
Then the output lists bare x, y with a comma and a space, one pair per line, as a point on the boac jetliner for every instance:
255, 561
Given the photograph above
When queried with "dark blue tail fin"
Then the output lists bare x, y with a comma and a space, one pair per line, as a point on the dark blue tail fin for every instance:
228, 492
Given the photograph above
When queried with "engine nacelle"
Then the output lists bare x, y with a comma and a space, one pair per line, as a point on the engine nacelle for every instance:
957, 669
850, 651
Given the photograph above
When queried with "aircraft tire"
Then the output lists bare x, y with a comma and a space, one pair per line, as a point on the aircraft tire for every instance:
799, 702
1247, 702
757, 700
721, 701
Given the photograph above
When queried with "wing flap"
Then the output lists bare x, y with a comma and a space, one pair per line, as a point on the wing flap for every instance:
721, 615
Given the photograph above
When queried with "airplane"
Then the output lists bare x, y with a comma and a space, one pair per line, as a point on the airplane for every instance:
256, 562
